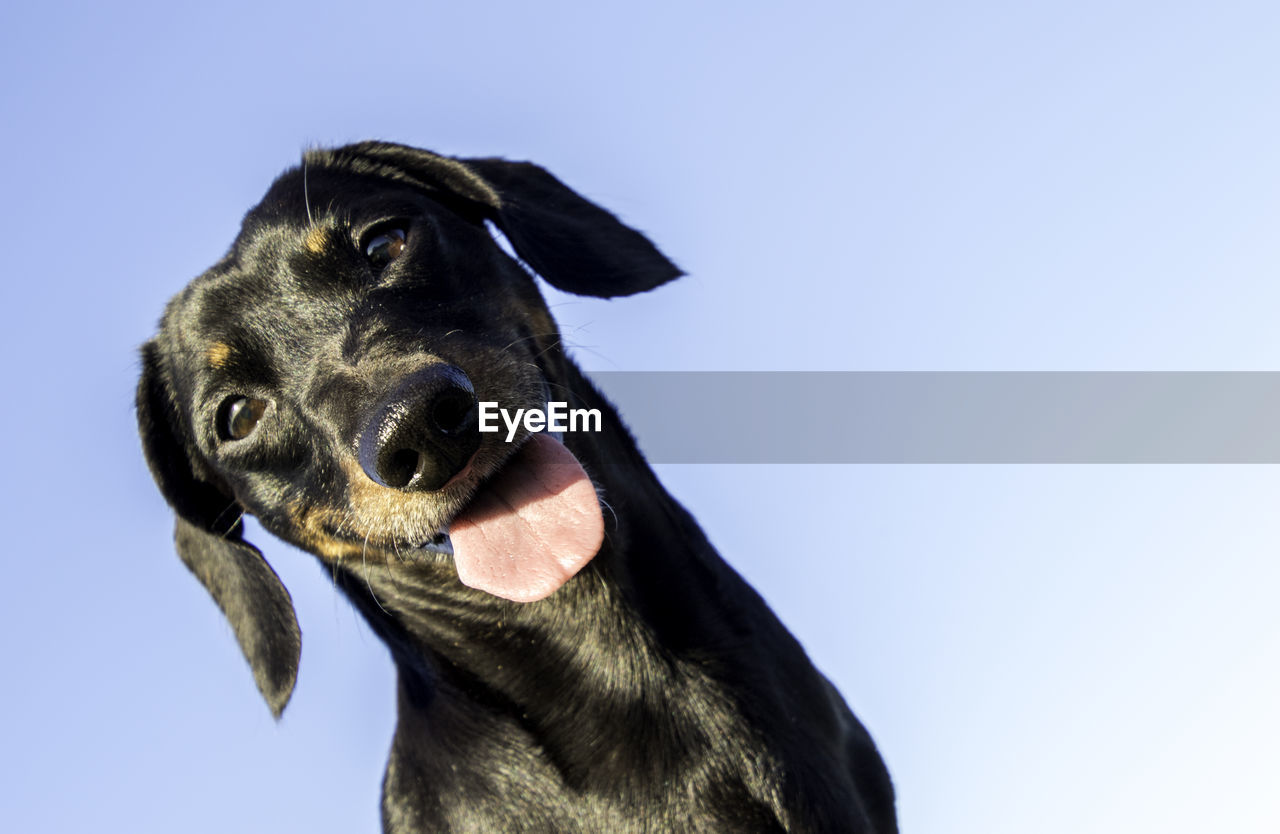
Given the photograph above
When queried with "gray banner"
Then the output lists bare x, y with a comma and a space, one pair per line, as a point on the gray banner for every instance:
980, 417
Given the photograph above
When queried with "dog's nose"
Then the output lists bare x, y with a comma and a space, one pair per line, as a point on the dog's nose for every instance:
423, 433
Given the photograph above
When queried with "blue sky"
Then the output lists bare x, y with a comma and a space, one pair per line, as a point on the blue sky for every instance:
850, 186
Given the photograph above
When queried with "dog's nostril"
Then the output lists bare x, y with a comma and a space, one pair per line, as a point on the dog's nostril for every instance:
398, 468
453, 412
423, 433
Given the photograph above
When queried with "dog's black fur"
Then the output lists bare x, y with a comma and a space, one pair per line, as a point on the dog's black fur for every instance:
654, 692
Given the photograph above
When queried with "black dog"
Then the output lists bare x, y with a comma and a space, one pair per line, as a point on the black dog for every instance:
560, 669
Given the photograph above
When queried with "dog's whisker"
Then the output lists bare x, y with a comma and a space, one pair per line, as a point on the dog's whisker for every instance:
532, 337
218, 518
606, 505
576, 346
306, 194
547, 350
398, 531
364, 560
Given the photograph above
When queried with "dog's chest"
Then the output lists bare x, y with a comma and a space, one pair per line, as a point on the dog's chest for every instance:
461, 767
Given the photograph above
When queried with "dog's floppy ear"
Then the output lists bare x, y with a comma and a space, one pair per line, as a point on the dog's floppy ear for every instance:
210, 543
570, 241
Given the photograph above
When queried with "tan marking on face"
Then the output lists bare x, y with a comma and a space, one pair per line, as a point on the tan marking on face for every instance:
317, 239
313, 526
368, 499
334, 550
218, 354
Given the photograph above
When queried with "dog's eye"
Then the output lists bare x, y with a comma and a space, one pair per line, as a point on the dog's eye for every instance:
239, 417
384, 247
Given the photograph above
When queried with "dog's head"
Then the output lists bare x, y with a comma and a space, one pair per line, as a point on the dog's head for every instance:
325, 376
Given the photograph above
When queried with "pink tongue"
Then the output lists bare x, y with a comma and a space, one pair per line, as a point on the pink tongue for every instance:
532, 527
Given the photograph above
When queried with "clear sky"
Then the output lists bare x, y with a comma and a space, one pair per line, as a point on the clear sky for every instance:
850, 186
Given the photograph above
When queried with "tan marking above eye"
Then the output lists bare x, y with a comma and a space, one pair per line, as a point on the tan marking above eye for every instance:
218, 354
317, 239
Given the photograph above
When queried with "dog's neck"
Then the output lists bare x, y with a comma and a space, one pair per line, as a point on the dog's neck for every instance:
593, 673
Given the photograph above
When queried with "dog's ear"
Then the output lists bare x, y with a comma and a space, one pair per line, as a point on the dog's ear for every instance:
209, 540
567, 239
574, 244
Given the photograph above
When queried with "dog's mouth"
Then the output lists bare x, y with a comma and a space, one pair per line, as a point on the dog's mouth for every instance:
439, 543
529, 528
